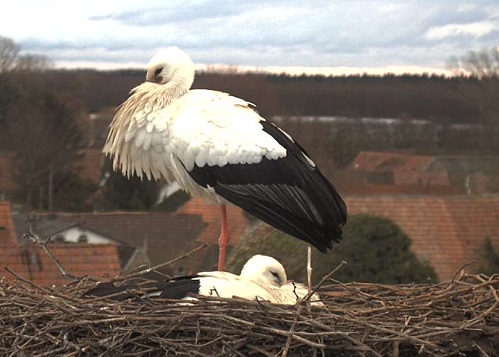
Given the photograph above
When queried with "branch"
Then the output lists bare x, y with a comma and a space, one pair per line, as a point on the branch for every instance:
35, 238
323, 280
156, 267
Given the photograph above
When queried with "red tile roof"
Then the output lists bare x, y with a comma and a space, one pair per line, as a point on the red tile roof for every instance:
238, 221
31, 262
447, 231
356, 184
389, 161
7, 228
160, 236
405, 169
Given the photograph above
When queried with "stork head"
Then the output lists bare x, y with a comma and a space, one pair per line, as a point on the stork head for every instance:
171, 65
264, 270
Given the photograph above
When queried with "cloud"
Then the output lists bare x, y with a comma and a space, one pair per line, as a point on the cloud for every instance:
350, 33
171, 12
477, 29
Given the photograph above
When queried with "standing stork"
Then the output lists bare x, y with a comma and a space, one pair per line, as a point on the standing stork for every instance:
218, 147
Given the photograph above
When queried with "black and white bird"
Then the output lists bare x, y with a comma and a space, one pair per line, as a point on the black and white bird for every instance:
262, 278
218, 147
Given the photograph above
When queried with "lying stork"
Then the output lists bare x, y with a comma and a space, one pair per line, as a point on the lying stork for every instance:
262, 278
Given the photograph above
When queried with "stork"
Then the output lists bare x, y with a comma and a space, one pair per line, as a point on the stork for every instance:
218, 147
261, 278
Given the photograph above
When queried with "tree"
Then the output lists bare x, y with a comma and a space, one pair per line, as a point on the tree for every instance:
481, 64
72, 194
33, 63
12, 60
123, 193
10, 92
9, 51
43, 130
489, 264
376, 250
40, 125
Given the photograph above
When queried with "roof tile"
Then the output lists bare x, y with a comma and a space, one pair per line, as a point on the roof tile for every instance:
7, 229
31, 262
448, 230
159, 236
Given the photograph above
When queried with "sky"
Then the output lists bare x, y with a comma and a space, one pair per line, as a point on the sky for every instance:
324, 36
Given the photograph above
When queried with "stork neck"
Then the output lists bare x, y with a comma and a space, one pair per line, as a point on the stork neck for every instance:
180, 83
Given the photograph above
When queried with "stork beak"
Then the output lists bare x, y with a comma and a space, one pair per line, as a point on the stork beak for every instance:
157, 79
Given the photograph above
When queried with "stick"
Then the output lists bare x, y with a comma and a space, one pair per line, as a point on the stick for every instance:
170, 262
309, 268
323, 280
32, 236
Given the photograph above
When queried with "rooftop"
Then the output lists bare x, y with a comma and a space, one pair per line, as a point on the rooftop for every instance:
29, 261
446, 231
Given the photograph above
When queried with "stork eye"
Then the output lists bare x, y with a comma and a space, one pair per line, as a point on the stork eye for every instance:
275, 275
157, 71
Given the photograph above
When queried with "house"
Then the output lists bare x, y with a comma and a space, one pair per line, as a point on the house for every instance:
446, 231
395, 173
7, 229
30, 261
477, 174
90, 164
399, 169
149, 238
153, 237
49, 226
238, 221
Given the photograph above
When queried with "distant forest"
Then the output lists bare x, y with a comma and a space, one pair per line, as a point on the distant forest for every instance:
44, 121
439, 99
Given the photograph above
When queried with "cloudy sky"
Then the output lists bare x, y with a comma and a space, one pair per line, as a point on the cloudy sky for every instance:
349, 35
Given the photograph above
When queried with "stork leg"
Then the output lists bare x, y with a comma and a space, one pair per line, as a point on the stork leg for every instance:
223, 240
309, 268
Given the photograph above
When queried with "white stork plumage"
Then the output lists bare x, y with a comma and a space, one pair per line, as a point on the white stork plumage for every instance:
218, 147
262, 278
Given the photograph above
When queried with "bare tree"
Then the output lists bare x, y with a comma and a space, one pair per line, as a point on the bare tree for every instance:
9, 52
482, 64
44, 133
12, 60
35, 63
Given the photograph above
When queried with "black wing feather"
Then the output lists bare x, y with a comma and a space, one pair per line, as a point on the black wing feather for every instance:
177, 288
288, 193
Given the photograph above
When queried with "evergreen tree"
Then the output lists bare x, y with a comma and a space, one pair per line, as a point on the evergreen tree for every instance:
122, 193
489, 264
376, 250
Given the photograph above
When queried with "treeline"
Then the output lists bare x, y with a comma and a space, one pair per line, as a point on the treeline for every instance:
45, 122
437, 98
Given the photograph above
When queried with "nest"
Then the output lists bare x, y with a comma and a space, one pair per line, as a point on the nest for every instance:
458, 318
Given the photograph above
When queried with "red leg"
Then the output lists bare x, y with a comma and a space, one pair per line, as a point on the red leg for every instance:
223, 241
